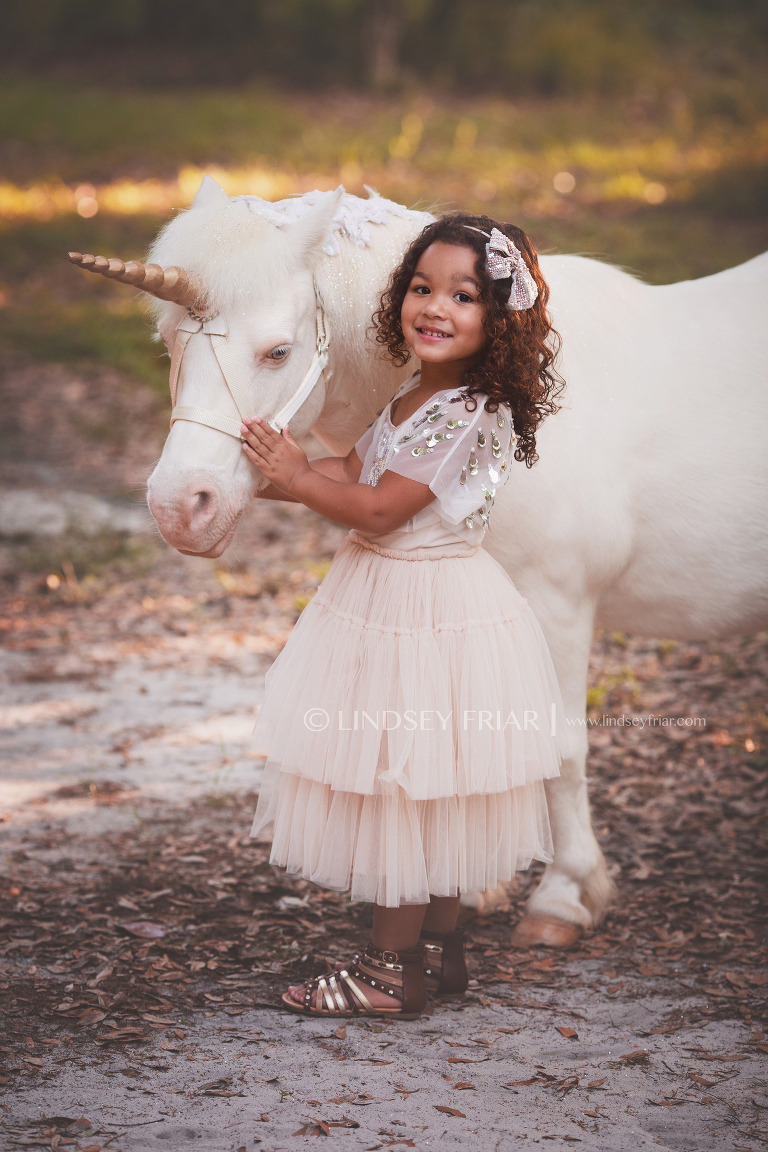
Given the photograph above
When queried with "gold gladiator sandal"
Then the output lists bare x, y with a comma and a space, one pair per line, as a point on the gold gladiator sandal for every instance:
445, 966
399, 974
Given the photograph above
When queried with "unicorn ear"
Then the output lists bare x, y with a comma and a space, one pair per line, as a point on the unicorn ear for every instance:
209, 193
312, 230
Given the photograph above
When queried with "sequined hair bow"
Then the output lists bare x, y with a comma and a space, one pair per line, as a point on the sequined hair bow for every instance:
504, 259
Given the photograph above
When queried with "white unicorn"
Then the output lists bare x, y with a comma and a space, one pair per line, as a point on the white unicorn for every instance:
645, 513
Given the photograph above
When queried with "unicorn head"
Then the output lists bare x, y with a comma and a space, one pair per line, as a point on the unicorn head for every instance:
238, 288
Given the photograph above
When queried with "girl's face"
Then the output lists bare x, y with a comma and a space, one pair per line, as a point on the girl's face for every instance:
442, 315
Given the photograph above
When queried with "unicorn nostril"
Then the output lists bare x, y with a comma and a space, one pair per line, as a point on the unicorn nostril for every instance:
203, 507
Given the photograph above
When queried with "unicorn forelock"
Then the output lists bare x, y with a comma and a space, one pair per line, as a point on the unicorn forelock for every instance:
234, 253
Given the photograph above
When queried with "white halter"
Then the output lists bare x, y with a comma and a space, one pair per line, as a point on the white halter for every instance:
215, 327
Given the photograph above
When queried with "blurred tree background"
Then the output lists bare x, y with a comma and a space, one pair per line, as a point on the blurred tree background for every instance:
515, 47
634, 132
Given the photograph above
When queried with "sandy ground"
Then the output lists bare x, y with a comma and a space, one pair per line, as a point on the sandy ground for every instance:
128, 704
271, 1080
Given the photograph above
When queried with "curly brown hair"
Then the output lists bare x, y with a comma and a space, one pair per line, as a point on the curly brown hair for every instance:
517, 366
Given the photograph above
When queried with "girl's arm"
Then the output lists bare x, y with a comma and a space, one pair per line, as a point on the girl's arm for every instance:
393, 501
343, 468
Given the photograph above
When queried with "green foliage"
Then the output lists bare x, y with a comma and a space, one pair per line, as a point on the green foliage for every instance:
85, 132
529, 46
89, 558
55, 313
707, 148
90, 331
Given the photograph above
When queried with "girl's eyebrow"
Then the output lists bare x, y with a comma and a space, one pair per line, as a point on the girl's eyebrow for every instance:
456, 279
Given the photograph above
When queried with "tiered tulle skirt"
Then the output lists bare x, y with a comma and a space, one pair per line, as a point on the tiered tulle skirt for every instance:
409, 725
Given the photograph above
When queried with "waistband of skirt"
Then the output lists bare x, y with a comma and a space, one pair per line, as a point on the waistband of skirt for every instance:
447, 552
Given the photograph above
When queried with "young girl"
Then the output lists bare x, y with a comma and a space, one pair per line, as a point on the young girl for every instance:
414, 714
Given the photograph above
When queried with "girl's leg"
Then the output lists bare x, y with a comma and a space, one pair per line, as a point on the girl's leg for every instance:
395, 930
442, 914
445, 967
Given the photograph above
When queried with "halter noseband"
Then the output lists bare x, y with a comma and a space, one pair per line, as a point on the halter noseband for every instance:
215, 327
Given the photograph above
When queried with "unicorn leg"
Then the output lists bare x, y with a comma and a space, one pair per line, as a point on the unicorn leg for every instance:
575, 891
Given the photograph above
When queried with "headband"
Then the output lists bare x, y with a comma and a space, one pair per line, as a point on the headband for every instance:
503, 259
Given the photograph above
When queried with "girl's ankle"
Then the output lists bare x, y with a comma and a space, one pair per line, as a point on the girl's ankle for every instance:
445, 969
397, 974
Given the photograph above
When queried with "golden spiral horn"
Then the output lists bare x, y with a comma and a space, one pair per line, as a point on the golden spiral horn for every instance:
165, 283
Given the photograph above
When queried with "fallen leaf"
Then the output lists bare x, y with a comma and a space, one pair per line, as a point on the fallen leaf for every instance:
639, 1056
144, 928
91, 1016
222, 1082
597, 1083
701, 1081
122, 1034
666, 1103
569, 1033
341, 1033
156, 1019
462, 1085
729, 1057
449, 1111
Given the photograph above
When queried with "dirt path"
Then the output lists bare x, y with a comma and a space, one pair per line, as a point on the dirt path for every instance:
144, 933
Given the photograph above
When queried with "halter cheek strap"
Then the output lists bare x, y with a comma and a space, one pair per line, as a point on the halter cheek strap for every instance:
215, 328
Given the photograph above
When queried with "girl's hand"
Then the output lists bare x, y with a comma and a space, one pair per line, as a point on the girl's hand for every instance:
276, 455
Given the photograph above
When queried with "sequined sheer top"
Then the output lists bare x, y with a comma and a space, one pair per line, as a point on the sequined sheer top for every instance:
464, 455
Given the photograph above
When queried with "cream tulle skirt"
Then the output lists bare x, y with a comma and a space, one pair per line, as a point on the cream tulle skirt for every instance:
409, 725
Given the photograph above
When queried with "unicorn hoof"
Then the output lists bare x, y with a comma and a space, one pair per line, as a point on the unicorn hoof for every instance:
548, 930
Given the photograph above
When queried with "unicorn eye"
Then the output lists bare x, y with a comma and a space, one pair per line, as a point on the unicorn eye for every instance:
280, 352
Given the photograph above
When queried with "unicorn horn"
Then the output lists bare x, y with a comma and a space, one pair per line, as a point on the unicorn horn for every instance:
165, 283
